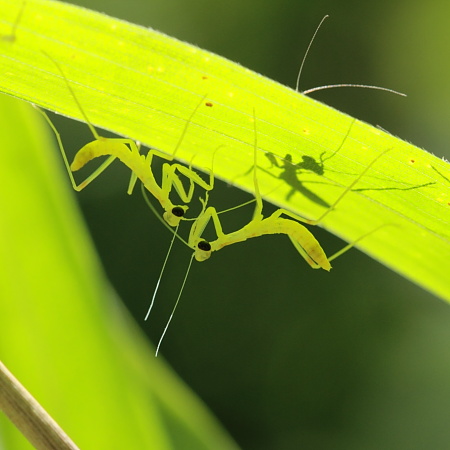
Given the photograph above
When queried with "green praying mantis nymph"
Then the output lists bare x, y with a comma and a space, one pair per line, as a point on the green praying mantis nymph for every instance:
291, 225
302, 239
127, 151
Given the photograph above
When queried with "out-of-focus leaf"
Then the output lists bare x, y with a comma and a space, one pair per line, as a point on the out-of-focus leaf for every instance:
62, 331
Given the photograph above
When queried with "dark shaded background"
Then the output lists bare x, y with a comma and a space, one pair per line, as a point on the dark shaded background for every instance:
287, 357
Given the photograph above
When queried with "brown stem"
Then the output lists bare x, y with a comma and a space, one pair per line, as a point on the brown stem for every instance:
29, 416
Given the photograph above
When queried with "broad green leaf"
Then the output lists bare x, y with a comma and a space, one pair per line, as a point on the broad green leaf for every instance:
63, 332
144, 85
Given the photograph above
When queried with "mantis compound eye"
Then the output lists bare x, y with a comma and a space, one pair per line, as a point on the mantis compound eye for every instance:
178, 211
203, 251
205, 246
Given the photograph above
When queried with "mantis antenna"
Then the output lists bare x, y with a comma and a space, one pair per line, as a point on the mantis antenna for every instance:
175, 307
175, 234
297, 84
331, 86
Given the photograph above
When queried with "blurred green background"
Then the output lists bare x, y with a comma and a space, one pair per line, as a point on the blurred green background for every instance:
287, 357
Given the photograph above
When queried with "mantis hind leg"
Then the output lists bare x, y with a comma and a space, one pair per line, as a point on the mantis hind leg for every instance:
95, 174
317, 263
352, 244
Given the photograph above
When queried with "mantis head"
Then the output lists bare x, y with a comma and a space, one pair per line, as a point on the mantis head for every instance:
174, 216
202, 250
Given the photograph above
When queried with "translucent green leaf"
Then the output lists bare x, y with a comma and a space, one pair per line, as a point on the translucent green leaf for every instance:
144, 85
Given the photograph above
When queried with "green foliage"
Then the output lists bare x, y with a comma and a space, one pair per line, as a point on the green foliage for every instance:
146, 91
